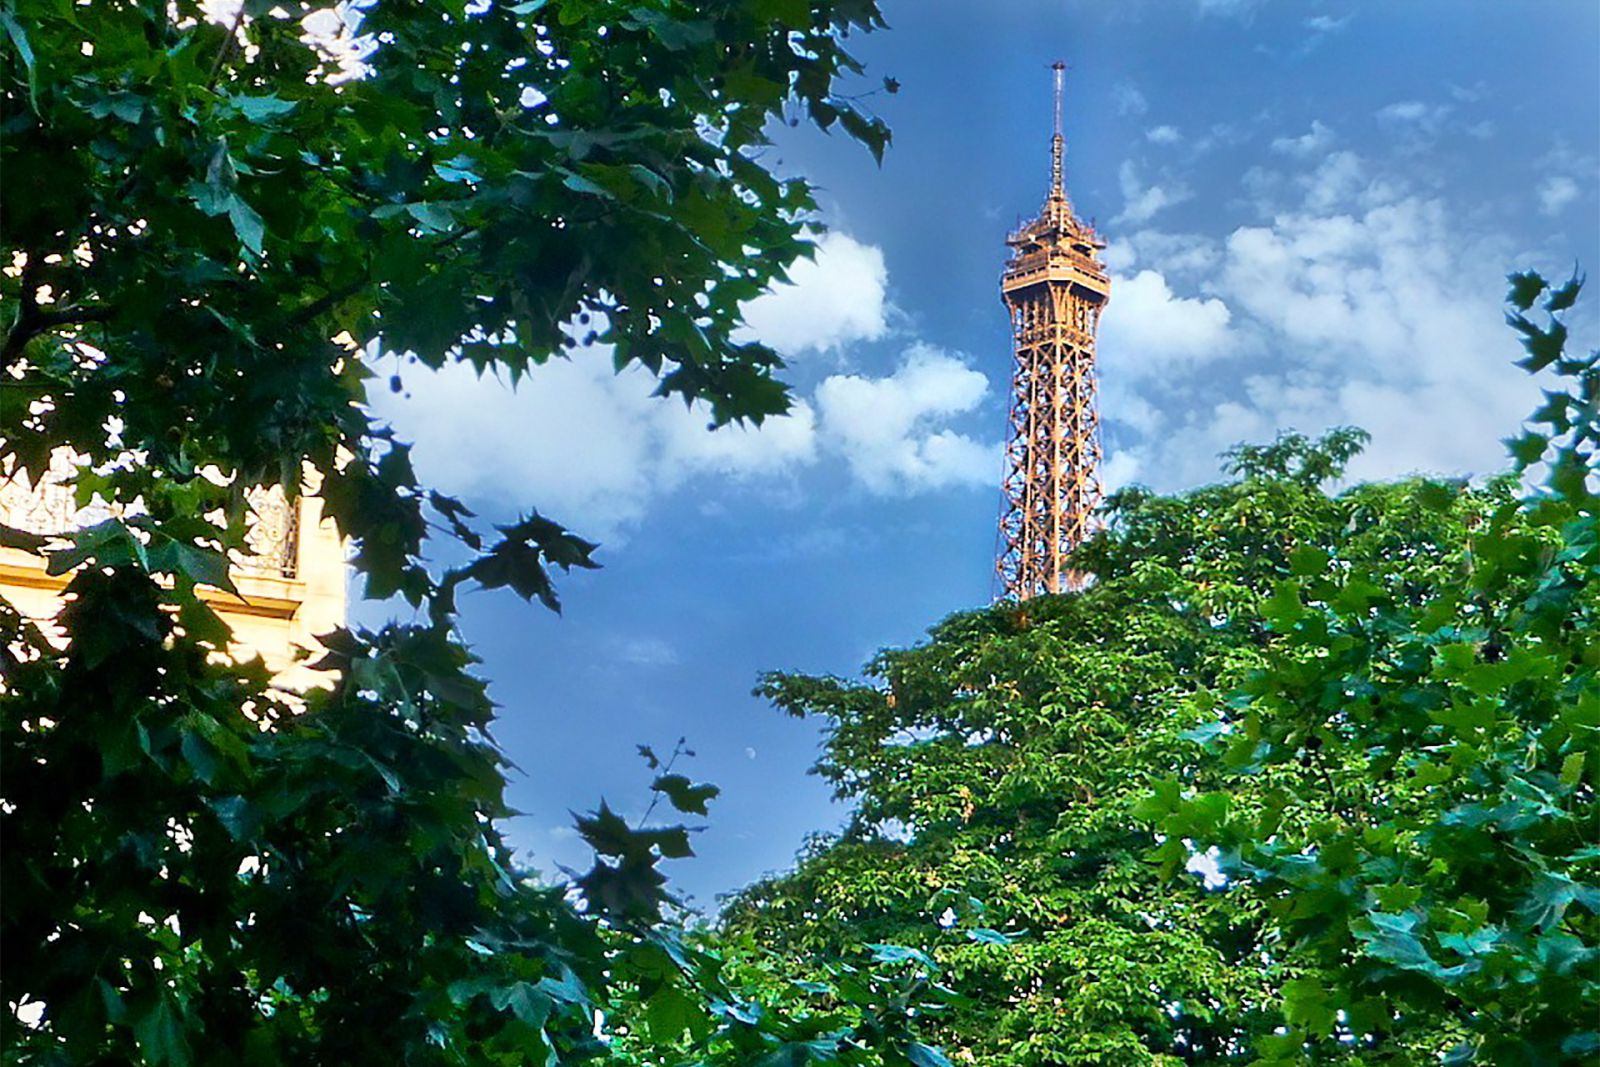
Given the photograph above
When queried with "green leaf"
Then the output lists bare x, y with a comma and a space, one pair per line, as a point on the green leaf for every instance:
159, 1032
1563, 298
1308, 560
19, 40
922, 1055
523, 1000
794, 14
458, 169
247, 225
901, 954
433, 217
669, 1013
1572, 769
579, 184
1525, 288
1551, 895
1527, 449
688, 797
676, 34
1392, 938
262, 109
205, 566
1306, 1004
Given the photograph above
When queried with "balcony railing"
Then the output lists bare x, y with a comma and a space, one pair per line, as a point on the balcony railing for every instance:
51, 509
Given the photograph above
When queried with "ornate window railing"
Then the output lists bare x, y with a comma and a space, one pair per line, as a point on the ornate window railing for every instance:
51, 508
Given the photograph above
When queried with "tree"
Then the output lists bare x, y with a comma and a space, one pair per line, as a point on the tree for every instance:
206, 223
1449, 868
1002, 769
1298, 778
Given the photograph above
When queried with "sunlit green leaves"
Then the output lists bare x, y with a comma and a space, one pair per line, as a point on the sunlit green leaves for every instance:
1448, 705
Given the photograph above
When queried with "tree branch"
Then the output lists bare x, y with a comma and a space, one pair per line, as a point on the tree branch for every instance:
31, 322
328, 300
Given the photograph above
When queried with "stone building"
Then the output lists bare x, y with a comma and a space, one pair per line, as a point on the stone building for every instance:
290, 590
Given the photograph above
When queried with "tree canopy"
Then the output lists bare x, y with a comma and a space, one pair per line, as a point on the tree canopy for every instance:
1357, 722
212, 221
1446, 873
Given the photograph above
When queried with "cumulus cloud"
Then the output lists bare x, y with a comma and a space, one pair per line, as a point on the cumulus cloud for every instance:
1412, 111
1326, 23
1555, 193
1163, 135
1149, 331
1376, 307
1128, 100
1414, 120
890, 432
576, 440
595, 448
1180, 255
837, 299
1141, 202
1339, 180
1312, 143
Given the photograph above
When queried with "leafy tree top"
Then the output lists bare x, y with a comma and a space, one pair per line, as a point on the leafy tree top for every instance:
1300, 777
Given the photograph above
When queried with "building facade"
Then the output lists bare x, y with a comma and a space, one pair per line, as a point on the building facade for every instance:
291, 589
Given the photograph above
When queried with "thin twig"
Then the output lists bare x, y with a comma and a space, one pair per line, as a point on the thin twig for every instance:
227, 47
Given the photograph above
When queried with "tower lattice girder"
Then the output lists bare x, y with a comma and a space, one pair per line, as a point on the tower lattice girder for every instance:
1054, 287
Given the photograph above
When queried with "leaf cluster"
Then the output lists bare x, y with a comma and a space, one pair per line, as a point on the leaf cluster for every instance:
1444, 876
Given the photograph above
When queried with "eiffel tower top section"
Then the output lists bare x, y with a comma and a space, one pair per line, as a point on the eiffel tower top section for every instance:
1057, 245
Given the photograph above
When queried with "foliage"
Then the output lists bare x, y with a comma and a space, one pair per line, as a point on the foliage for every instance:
1361, 726
1448, 866
204, 224
1001, 771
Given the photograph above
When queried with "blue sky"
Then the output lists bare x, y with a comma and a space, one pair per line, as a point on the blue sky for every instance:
1310, 210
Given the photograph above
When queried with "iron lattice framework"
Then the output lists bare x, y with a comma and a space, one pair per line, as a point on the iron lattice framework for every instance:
1054, 287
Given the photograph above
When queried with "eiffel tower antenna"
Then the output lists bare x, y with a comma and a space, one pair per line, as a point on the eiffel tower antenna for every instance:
1058, 143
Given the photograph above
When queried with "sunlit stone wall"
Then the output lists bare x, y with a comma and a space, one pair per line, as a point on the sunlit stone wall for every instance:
291, 589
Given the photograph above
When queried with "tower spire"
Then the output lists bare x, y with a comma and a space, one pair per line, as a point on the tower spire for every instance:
1054, 286
1058, 189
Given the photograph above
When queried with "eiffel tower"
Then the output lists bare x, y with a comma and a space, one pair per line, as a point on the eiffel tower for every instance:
1055, 287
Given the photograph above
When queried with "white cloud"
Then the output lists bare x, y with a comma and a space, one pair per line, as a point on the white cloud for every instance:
835, 300
1379, 308
889, 429
1414, 116
1326, 23
1128, 100
1312, 143
1183, 255
1149, 331
582, 444
1118, 471
1163, 135
1555, 193
593, 448
1140, 201
648, 652
1229, 8
1340, 179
